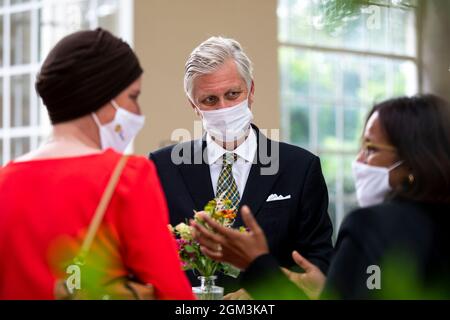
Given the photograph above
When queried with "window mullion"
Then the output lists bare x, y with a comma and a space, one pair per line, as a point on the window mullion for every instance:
34, 60
6, 84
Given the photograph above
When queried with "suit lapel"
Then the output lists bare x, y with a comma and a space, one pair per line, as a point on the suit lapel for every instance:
197, 177
258, 185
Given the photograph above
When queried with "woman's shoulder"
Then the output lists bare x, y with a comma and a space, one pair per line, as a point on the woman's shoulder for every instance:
389, 212
142, 163
390, 223
139, 175
137, 167
103, 160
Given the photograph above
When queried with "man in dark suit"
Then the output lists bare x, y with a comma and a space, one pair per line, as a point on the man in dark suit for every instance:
282, 184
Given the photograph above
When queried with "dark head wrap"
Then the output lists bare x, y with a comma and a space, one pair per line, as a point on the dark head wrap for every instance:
85, 71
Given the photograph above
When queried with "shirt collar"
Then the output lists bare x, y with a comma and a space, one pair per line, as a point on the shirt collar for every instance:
245, 151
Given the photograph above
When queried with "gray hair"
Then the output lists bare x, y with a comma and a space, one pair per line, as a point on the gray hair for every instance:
210, 56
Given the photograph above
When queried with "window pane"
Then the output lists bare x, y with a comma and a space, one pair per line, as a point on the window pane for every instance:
348, 188
387, 78
354, 118
59, 18
330, 167
20, 38
1, 104
295, 71
299, 125
342, 87
20, 101
56, 19
349, 184
346, 24
327, 88
326, 115
337, 170
292, 22
13, 2
107, 15
19, 146
43, 117
1, 40
351, 75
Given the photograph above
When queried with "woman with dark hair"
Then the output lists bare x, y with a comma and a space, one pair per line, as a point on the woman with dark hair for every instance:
78, 192
397, 245
412, 135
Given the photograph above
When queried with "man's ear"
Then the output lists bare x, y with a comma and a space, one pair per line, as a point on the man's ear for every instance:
194, 107
251, 95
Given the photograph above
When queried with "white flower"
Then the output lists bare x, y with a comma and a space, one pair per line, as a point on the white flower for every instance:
198, 214
184, 231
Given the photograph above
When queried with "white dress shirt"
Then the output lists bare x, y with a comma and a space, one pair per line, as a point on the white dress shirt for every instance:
241, 168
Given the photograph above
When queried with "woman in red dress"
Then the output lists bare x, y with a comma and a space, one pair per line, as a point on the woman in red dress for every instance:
90, 84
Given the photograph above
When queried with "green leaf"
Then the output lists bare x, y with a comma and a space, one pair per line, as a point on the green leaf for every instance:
189, 249
230, 270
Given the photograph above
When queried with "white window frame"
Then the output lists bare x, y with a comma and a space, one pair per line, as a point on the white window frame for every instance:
339, 198
36, 129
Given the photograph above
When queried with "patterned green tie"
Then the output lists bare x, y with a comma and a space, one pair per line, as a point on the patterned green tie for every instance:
226, 185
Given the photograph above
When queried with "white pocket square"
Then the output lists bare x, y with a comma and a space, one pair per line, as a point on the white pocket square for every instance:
275, 197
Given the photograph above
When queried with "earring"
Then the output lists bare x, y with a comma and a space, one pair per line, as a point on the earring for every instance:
411, 178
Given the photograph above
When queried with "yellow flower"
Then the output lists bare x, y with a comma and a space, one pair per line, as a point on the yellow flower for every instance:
172, 231
184, 231
217, 215
243, 230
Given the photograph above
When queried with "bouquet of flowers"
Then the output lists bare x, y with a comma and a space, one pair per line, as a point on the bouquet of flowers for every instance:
192, 258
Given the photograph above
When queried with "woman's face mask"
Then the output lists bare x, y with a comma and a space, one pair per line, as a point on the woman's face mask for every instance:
372, 183
121, 131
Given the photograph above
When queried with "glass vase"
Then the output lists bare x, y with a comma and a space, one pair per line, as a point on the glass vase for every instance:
208, 289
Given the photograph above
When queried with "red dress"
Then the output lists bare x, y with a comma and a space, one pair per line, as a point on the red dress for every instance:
44, 201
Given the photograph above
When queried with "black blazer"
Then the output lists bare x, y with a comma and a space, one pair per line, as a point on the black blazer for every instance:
301, 223
409, 241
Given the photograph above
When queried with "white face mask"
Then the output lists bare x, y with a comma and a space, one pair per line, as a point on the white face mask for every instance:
118, 133
228, 124
372, 183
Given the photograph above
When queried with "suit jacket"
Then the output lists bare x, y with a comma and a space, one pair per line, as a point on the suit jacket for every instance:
408, 241
300, 223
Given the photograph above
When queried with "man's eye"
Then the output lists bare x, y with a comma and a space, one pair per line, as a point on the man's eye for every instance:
210, 100
234, 94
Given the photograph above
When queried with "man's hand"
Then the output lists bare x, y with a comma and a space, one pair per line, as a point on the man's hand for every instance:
311, 282
230, 245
